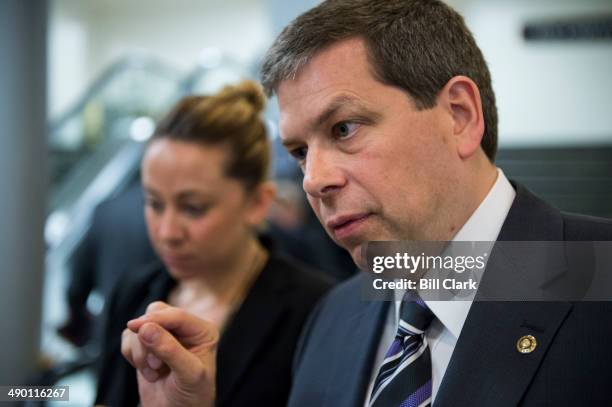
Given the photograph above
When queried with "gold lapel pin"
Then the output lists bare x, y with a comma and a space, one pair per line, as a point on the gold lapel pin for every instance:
526, 344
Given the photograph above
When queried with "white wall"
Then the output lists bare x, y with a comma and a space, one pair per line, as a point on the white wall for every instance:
85, 37
547, 92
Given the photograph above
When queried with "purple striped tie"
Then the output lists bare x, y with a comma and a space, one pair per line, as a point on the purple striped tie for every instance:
404, 378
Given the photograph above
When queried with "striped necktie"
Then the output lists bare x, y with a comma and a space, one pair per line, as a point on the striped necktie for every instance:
404, 378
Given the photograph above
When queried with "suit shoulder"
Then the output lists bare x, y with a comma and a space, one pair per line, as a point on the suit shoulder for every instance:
583, 227
336, 304
344, 299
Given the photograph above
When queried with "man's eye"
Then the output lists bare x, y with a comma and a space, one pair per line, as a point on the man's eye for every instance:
299, 153
344, 130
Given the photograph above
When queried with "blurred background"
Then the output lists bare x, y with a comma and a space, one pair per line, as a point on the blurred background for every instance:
82, 84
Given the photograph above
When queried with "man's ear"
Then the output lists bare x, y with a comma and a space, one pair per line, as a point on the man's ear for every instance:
259, 203
462, 99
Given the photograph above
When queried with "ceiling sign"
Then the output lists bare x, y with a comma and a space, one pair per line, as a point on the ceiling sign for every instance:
595, 28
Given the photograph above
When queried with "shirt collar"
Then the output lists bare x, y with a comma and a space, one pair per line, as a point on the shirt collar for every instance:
486, 222
484, 225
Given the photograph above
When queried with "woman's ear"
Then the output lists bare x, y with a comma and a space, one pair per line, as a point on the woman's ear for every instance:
259, 203
462, 99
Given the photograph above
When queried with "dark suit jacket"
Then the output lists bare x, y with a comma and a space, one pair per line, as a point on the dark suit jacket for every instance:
571, 365
101, 256
255, 350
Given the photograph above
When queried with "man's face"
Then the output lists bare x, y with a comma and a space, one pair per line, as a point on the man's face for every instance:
375, 168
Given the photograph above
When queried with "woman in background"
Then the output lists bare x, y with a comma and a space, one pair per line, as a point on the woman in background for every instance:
204, 175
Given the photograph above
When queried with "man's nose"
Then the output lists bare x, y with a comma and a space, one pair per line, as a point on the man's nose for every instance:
322, 174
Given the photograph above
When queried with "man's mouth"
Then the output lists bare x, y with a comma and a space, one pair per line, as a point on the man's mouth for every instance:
345, 226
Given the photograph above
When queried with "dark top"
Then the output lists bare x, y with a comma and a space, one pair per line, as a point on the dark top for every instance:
255, 351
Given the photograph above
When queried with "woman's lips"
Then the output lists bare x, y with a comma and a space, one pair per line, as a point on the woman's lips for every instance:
176, 261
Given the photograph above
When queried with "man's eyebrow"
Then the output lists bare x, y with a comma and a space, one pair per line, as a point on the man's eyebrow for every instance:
338, 103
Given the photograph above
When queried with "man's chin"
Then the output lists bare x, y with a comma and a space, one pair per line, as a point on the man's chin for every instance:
358, 255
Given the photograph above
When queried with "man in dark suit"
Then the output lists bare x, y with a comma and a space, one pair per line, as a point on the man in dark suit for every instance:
389, 109
116, 242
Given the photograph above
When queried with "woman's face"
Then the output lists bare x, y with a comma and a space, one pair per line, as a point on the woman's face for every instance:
197, 217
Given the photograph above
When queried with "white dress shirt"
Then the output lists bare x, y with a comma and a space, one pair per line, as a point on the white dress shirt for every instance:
484, 225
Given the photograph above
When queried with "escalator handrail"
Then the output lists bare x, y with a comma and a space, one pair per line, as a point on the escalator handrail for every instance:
153, 64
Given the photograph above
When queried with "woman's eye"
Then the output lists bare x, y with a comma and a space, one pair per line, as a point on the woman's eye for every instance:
156, 206
344, 130
195, 210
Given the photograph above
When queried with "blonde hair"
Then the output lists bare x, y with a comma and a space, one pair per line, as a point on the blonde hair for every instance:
231, 117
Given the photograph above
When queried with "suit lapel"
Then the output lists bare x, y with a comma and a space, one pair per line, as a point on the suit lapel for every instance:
360, 335
486, 369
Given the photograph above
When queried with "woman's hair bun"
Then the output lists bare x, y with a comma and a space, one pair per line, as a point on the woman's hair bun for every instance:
247, 90
232, 116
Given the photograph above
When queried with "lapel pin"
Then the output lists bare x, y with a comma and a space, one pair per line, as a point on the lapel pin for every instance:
526, 344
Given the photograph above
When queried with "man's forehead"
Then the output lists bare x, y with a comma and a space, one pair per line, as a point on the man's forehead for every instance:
337, 59
332, 77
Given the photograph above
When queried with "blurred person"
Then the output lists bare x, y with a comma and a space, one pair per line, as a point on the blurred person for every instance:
286, 222
388, 107
288, 210
294, 227
204, 175
100, 259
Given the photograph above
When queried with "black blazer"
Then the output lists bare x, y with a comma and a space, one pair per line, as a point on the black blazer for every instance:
255, 351
571, 365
